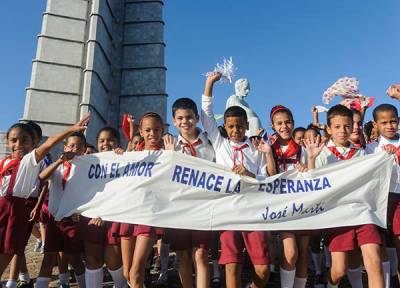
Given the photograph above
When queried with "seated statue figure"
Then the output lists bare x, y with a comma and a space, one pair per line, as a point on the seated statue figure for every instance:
242, 88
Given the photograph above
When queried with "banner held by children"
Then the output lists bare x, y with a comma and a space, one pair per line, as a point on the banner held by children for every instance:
169, 189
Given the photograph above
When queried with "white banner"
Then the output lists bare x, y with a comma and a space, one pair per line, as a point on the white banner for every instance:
169, 189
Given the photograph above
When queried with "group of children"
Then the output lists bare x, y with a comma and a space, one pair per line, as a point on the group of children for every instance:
26, 182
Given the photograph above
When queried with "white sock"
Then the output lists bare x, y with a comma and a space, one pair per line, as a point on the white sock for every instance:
355, 277
287, 278
80, 279
300, 282
118, 277
392, 255
215, 265
42, 282
164, 254
63, 278
386, 273
94, 278
24, 277
317, 261
272, 267
330, 285
328, 257
11, 284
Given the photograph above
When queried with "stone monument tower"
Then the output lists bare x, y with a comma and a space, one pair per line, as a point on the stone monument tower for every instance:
106, 56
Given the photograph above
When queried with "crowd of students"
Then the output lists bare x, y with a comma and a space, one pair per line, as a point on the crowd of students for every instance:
27, 174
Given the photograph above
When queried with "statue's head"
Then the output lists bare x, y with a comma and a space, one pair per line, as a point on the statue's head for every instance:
242, 87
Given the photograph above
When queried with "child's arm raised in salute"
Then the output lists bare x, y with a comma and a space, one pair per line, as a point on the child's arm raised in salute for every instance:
43, 149
46, 173
207, 115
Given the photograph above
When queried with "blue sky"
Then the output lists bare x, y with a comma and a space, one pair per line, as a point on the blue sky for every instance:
291, 51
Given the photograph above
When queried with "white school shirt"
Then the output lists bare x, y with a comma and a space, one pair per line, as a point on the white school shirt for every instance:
377, 146
253, 160
290, 166
56, 185
35, 189
27, 175
204, 150
326, 157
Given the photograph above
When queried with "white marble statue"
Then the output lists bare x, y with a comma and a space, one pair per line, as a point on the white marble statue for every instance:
242, 88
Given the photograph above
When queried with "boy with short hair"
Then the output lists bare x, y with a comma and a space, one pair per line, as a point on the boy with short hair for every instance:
62, 236
236, 152
386, 122
344, 239
191, 141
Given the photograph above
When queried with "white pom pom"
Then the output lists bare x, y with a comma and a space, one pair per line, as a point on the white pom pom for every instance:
227, 69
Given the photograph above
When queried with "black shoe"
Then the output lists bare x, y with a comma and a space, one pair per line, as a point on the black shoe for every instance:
215, 282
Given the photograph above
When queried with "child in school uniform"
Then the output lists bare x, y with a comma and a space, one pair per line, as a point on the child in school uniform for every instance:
62, 236
289, 155
101, 244
239, 154
151, 127
18, 176
345, 239
386, 122
192, 246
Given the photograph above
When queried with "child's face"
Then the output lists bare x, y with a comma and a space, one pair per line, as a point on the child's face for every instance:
340, 129
283, 125
386, 124
236, 128
151, 130
355, 136
135, 141
76, 145
19, 142
374, 134
186, 121
106, 142
298, 137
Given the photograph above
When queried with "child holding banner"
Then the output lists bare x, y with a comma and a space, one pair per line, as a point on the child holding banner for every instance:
191, 141
237, 152
151, 127
386, 122
289, 155
345, 239
100, 244
62, 236
18, 175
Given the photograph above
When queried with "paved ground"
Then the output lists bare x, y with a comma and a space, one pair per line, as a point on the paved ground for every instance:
34, 260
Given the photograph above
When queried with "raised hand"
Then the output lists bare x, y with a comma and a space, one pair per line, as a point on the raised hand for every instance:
314, 146
264, 147
81, 125
132, 125
169, 142
394, 91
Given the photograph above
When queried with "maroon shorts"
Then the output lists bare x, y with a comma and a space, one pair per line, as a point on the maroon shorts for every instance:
393, 212
104, 235
126, 231
63, 236
182, 239
15, 227
148, 231
233, 242
344, 239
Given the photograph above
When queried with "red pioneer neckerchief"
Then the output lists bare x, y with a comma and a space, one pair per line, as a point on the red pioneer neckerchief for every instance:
190, 146
284, 158
335, 152
10, 169
67, 171
239, 150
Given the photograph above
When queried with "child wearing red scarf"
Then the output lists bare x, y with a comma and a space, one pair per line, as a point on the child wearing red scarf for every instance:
62, 236
288, 154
